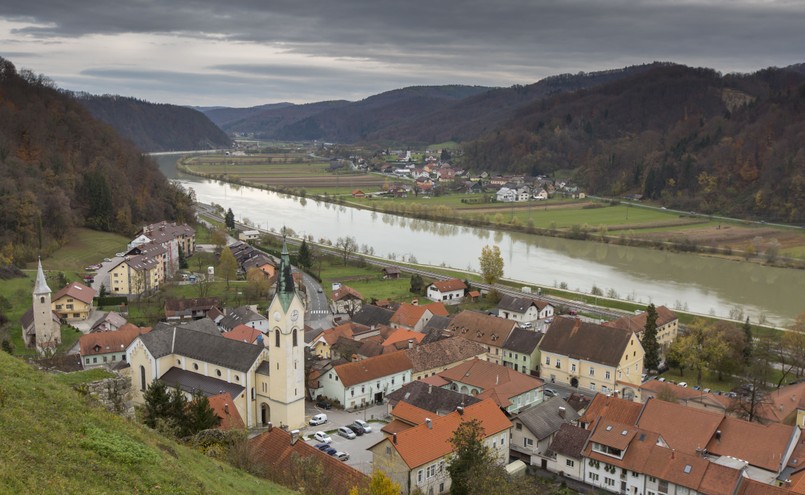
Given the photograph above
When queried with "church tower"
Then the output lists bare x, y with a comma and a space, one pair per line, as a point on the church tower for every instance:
48, 332
286, 355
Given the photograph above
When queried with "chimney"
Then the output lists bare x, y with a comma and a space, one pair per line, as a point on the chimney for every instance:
415, 302
718, 435
429, 423
497, 379
294, 436
394, 438
226, 408
673, 453
410, 343
561, 412
430, 388
460, 410
270, 426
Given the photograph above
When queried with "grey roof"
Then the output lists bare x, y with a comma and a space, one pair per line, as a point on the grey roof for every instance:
371, 315
436, 323
239, 316
41, 285
185, 341
264, 368
569, 441
190, 382
514, 303
113, 318
434, 399
576, 339
522, 341
544, 419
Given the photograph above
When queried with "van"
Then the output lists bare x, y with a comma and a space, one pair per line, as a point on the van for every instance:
318, 419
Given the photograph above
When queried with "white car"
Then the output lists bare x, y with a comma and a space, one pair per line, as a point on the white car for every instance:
318, 419
364, 425
322, 437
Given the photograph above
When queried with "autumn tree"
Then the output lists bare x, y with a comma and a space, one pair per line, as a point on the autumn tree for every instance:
794, 343
379, 484
257, 282
491, 264
347, 245
219, 238
474, 468
651, 359
228, 265
699, 348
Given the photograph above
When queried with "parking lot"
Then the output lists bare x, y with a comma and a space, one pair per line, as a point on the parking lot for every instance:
359, 457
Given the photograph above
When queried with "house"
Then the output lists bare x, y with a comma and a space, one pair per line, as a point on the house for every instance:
417, 457
244, 315
415, 317
136, 275
190, 308
365, 382
178, 240
156, 252
288, 459
489, 331
523, 309
227, 413
684, 395
390, 272
107, 348
540, 194
108, 322
595, 357
346, 300
357, 193
522, 193
451, 290
511, 390
249, 235
667, 325
245, 333
521, 351
505, 195
372, 316
437, 400
321, 345
564, 455
435, 357
534, 427
73, 302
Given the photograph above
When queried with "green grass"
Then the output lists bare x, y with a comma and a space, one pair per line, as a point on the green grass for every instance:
709, 379
86, 376
55, 443
86, 247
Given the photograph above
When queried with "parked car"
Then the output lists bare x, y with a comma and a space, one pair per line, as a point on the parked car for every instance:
322, 437
323, 404
318, 419
356, 429
321, 446
346, 432
548, 320
366, 427
341, 456
683, 384
525, 324
329, 450
549, 392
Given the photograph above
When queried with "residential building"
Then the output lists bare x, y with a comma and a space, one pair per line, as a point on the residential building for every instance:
136, 275
534, 427
595, 357
367, 381
108, 322
511, 390
435, 357
391, 272
227, 413
450, 291
190, 308
174, 238
415, 317
107, 348
245, 333
506, 195
685, 396
249, 235
41, 328
523, 309
417, 457
436, 400
244, 315
346, 300
322, 344
521, 351
489, 331
73, 302
667, 325
565, 454
372, 316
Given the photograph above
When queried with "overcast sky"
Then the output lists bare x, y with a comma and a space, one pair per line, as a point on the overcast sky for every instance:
249, 52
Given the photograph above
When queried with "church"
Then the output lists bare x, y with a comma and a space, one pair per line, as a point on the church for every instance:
266, 383
41, 327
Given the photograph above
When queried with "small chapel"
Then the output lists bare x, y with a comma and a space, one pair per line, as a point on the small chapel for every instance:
41, 327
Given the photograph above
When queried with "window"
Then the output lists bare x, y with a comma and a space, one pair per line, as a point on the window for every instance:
652, 479
195, 366
388, 450
527, 442
179, 362
570, 463
94, 360
42, 299
218, 372
592, 371
277, 337
420, 475
547, 360
592, 386
573, 367
518, 426
607, 375
104, 359
253, 397
593, 476
295, 341
662, 486
558, 363
237, 378
142, 377
609, 482
502, 439
87, 361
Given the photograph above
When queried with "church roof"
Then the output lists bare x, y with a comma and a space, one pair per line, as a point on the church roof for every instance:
41, 286
191, 382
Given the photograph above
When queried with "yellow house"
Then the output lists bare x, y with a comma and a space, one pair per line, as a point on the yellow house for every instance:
73, 302
595, 357
136, 275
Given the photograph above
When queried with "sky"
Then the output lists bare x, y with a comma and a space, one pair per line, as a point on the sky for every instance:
241, 53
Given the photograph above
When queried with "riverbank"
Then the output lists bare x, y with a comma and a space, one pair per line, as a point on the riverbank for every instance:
688, 234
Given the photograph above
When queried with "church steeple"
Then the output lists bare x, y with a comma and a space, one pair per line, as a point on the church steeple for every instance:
285, 285
41, 286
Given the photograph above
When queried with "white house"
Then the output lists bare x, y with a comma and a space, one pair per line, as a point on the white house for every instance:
523, 309
523, 193
540, 194
451, 289
506, 195
366, 381
249, 235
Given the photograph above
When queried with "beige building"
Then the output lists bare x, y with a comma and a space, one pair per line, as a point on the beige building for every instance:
41, 327
489, 331
73, 302
667, 326
595, 357
435, 357
136, 275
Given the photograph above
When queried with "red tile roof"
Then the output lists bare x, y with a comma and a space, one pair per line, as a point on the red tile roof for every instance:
497, 382
611, 408
76, 291
225, 409
683, 428
481, 328
373, 368
410, 414
107, 342
759, 445
344, 291
408, 315
403, 335
243, 333
449, 285
422, 444
637, 323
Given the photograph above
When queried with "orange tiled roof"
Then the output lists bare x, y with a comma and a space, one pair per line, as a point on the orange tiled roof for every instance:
449, 285
410, 414
373, 368
243, 333
611, 408
403, 335
683, 428
225, 409
481, 328
759, 445
408, 315
637, 323
497, 382
114, 341
345, 291
76, 291
421, 444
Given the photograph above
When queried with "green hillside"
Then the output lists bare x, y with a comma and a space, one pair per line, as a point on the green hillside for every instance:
53, 442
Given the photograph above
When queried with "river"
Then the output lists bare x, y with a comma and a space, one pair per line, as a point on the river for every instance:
678, 280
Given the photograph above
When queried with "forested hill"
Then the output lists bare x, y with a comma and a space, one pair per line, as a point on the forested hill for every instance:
60, 167
732, 144
156, 126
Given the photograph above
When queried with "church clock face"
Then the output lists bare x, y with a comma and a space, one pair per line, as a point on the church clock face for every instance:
277, 316
295, 315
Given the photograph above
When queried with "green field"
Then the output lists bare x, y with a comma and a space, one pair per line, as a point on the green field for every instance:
54, 442
85, 247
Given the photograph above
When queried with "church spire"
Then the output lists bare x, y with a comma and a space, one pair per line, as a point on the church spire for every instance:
41, 286
285, 279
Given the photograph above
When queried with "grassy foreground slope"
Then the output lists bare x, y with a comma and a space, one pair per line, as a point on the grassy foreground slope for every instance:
53, 442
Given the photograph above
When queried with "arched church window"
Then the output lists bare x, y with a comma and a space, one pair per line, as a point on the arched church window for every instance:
277, 337
42, 299
295, 342
142, 377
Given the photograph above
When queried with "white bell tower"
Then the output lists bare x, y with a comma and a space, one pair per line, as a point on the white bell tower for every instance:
48, 332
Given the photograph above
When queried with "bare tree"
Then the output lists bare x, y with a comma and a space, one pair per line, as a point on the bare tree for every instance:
347, 245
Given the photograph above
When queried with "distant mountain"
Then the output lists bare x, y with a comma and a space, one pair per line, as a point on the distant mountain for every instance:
692, 138
224, 117
60, 168
156, 126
